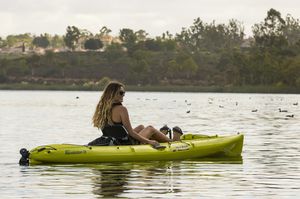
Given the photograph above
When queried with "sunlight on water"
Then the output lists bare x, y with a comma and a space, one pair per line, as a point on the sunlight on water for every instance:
269, 168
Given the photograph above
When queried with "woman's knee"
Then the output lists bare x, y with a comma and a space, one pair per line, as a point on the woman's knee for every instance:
140, 126
147, 132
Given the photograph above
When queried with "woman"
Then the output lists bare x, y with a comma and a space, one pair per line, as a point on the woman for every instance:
110, 111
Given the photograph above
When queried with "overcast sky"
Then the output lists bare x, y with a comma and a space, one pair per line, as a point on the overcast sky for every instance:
153, 16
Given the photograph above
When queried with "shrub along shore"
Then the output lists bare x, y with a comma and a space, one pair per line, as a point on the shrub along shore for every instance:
155, 88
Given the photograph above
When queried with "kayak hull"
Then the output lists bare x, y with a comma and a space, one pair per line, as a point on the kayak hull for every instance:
191, 146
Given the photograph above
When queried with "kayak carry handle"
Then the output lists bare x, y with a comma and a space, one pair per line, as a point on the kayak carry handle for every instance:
24, 152
46, 147
24, 160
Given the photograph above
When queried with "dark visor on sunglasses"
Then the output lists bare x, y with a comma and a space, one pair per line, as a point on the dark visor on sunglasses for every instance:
122, 93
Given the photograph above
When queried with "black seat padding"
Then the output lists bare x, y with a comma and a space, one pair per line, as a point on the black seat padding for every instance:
116, 131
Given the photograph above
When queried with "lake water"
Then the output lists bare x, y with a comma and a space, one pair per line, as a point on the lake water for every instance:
270, 167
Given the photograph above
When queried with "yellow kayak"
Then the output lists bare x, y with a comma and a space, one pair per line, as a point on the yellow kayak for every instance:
191, 146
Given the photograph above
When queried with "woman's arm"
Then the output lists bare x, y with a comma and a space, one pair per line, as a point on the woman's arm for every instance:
126, 123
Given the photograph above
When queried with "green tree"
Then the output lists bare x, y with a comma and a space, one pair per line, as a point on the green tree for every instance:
167, 36
234, 33
210, 37
240, 62
184, 41
72, 36
33, 62
160, 44
103, 81
291, 72
3, 71
129, 39
291, 30
104, 31
17, 40
57, 41
269, 34
50, 56
141, 35
173, 68
153, 45
41, 41
93, 44
189, 67
169, 45
140, 66
114, 52
62, 65
2, 43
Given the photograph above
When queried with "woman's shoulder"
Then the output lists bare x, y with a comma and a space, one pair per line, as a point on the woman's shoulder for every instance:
121, 110
119, 106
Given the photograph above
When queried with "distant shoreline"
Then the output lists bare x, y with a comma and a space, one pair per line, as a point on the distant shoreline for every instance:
157, 88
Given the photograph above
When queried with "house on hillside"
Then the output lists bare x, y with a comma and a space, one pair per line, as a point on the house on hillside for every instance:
108, 40
17, 49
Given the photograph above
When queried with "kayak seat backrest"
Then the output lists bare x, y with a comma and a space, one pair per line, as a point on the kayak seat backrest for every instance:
116, 131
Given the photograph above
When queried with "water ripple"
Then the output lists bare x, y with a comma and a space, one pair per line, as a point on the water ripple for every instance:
269, 168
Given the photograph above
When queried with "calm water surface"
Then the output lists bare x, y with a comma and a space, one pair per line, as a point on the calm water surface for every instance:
270, 167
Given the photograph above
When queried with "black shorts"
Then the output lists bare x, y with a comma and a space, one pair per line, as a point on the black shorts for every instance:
128, 140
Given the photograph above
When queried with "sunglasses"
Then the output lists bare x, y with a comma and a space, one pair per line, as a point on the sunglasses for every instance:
122, 93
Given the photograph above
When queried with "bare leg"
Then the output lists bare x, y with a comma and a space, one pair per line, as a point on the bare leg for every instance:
151, 132
139, 128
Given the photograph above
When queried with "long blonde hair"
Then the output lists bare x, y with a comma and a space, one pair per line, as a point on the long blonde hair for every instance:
103, 112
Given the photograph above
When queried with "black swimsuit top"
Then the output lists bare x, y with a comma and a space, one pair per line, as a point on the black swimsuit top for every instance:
113, 130
113, 105
120, 134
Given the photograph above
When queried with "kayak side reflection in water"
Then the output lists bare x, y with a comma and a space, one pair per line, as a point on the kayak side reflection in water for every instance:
110, 111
